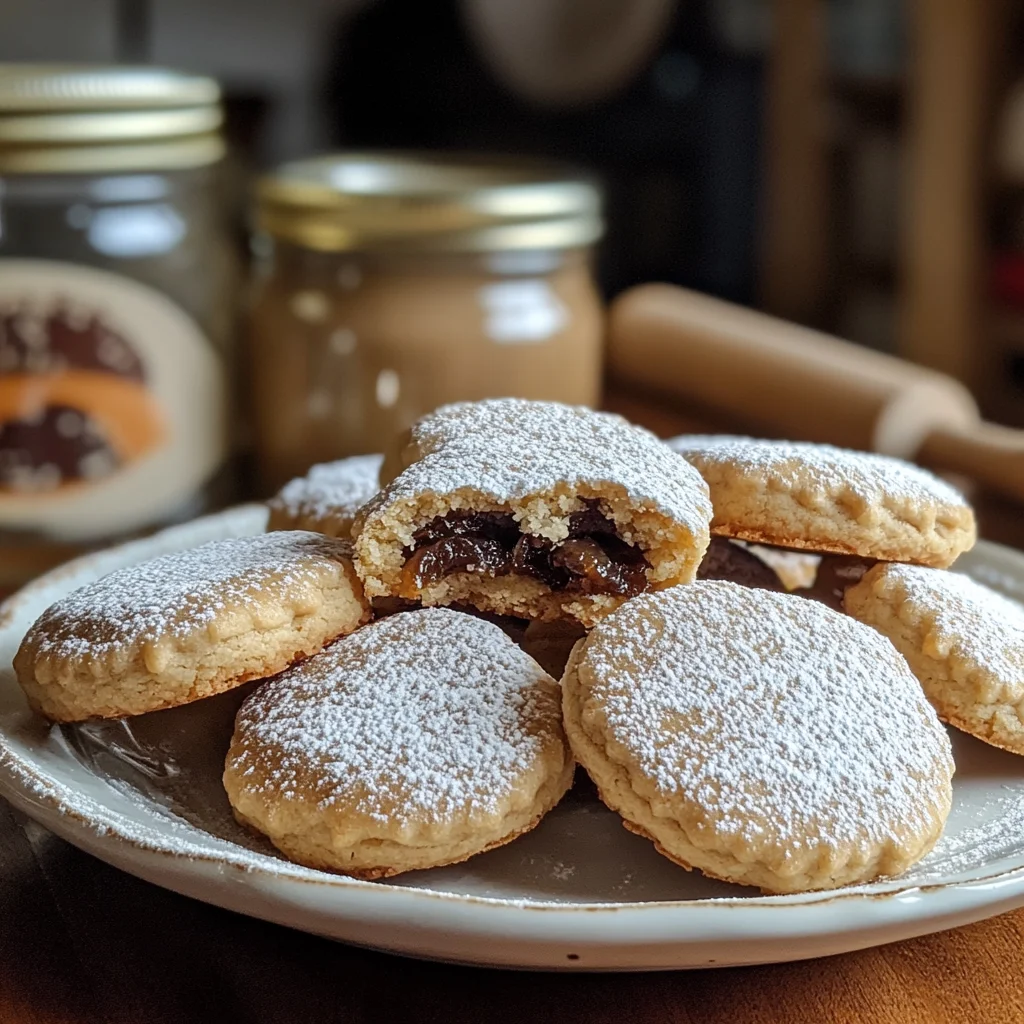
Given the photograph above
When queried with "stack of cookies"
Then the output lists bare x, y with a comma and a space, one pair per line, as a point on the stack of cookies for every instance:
755, 642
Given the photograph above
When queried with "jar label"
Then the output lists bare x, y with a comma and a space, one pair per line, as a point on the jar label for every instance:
112, 402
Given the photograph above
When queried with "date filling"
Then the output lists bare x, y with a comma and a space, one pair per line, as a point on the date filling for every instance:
836, 573
725, 560
593, 559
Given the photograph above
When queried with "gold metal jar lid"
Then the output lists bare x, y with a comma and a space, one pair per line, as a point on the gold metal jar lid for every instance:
436, 202
82, 118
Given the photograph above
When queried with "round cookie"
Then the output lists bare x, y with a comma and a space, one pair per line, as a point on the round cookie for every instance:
189, 625
819, 498
964, 642
760, 737
421, 740
328, 497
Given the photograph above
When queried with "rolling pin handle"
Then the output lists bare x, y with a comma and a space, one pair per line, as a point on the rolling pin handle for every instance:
989, 453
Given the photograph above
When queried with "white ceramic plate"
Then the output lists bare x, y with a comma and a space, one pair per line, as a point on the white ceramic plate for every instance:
578, 892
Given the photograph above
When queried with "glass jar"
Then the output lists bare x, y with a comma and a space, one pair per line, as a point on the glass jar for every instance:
387, 285
118, 284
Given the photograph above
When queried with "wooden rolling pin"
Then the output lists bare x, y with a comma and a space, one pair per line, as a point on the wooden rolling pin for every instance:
787, 381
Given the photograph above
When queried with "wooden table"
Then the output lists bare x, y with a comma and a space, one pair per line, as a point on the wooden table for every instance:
82, 942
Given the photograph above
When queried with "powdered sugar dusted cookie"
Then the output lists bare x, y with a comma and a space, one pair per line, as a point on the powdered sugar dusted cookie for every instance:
964, 641
188, 625
759, 737
820, 498
328, 497
532, 509
421, 740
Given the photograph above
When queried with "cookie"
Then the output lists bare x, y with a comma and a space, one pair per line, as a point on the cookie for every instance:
188, 625
964, 642
328, 497
818, 498
532, 509
421, 740
759, 737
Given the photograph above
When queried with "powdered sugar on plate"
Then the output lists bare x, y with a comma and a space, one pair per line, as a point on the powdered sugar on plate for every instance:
424, 718
970, 848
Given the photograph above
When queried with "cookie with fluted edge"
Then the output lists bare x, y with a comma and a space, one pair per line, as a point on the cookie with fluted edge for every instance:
816, 497
759, 737
421, 740
964, 641
532, 509
188, 625
328, 497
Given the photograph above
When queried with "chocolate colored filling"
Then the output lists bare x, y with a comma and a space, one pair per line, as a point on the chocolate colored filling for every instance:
593, 559
727, 561
835, 574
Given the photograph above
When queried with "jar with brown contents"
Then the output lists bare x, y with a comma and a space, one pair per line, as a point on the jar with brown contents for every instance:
388, 285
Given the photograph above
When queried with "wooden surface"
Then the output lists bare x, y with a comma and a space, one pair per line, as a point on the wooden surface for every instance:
81, 942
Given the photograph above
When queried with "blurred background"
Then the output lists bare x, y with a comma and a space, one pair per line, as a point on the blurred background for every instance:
856, 166
800, 156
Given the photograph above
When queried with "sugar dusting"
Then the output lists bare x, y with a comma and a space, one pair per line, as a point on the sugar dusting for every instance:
423, 718
509, 449
331, 488
790, 724
973, 847
872, 477
181, 593
964, 620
